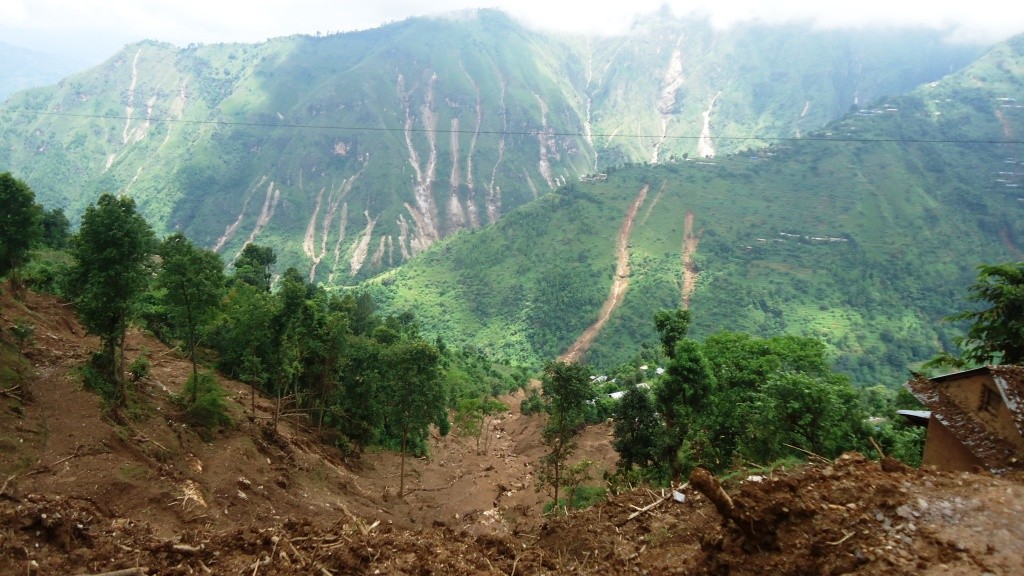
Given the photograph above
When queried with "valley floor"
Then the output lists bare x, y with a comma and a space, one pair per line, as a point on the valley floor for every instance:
81, 495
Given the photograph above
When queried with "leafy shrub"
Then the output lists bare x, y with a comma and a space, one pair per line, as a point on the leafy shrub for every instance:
469, 417
22, 332
93, 377
902, 441
586, 496
203, 401
532, 404
602, 408
47, 273
139, 368
494, 406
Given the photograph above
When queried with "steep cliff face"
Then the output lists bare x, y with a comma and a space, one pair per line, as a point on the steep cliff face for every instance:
417, 130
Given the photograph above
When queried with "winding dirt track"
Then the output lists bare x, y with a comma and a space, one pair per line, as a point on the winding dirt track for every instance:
619, 284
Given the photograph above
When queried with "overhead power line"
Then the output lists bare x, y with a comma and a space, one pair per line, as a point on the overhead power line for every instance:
815, 138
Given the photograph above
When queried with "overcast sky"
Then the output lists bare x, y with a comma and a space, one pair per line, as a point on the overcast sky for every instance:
94, 29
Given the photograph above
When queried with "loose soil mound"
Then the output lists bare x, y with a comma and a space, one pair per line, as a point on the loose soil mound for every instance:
81, 495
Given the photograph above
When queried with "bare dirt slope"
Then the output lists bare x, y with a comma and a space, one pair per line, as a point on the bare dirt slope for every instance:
158, 474
620, 283
80, 495
690, 242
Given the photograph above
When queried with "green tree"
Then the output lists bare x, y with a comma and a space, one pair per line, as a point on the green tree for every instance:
637, 429
253, 265
776, 391
203, 400
325, 327
816, 413
672, 326
471, 416
193, 283
566, 389
358, 407
996, 331
56, 229
683, 393
20, 219
290, 330
112, 252
242, 334
414, 393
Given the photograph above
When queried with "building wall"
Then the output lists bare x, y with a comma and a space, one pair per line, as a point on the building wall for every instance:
944, 451
969, 392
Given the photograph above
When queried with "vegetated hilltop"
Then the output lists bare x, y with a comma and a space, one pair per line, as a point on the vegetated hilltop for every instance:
350, 153
150, 496
864, 235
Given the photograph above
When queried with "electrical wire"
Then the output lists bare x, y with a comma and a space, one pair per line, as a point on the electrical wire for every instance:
837, 139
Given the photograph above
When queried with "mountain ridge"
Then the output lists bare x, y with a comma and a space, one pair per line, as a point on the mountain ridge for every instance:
864, 234
233, 143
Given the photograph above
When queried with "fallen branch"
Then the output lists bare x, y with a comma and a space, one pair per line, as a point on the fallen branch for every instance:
809, 453
359, 522
654, 504
841, 540
877, 447
10, 392
48, 467
708, 485
144, 438
125, 572
185, 548
3, 489
301, 557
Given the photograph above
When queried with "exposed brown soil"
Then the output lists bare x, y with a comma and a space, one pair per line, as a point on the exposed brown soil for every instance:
690, 242
1008, 130
1004, 235
620, 283
81, 495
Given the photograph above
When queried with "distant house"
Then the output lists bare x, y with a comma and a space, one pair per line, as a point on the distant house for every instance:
975, 419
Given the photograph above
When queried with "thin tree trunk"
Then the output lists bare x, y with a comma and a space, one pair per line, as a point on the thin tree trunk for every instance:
192, 353
401, 481
558, 469
277, 413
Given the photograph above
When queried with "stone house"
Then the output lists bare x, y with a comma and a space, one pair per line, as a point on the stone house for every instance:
975, 419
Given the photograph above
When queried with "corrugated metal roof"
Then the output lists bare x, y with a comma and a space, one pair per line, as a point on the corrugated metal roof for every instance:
919, 417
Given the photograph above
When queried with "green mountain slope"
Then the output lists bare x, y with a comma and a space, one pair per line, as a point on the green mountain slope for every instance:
351, 153
865, 235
